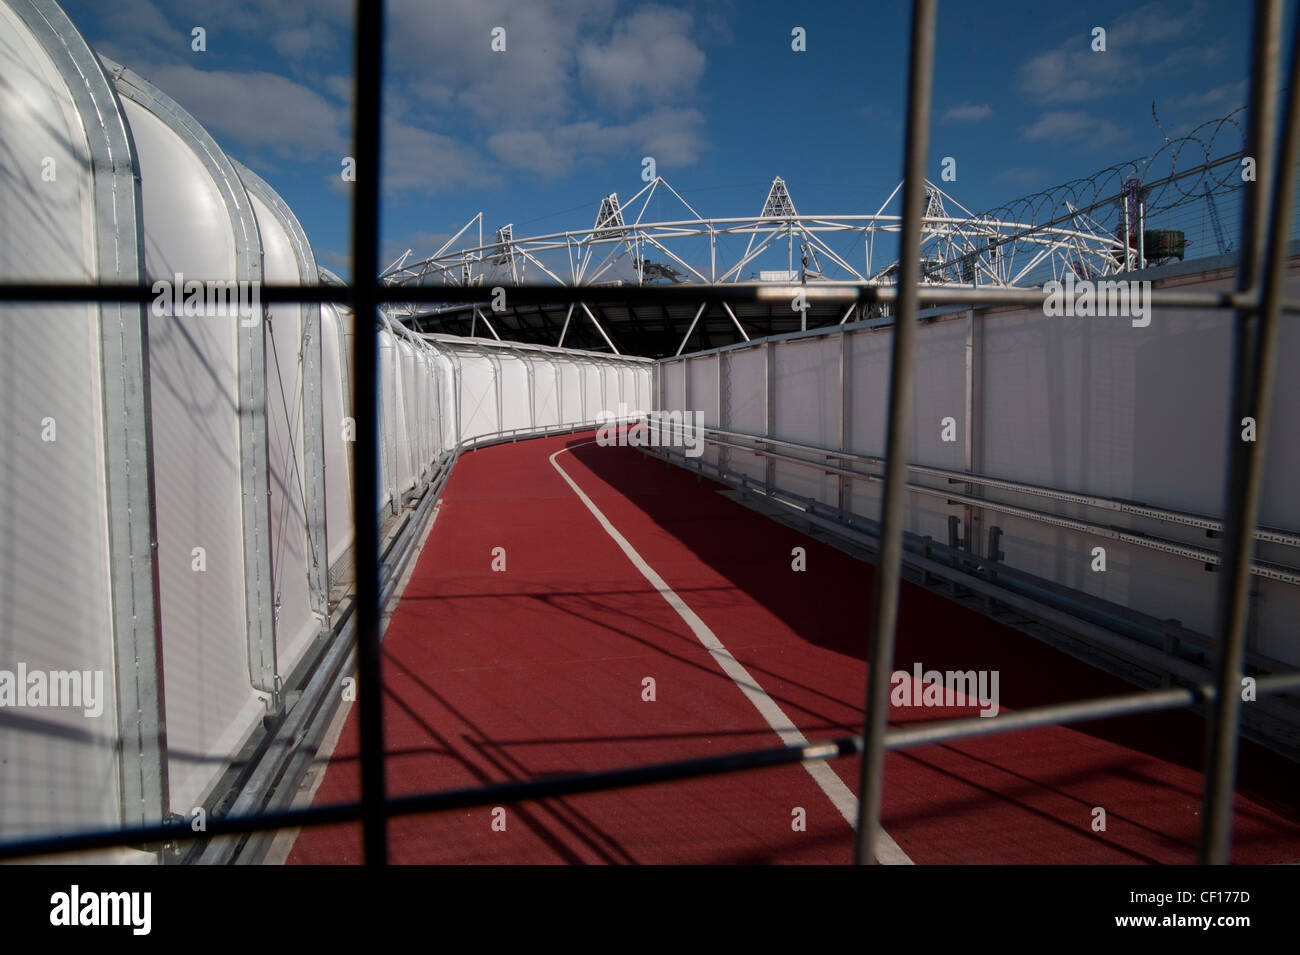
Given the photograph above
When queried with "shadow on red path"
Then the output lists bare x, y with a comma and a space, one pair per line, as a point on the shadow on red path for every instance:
539, 669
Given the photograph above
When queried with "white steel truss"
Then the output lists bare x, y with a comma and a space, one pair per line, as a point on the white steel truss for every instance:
622, 247
1021, 244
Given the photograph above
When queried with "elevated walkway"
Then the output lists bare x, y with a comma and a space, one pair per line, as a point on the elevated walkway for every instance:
538, 670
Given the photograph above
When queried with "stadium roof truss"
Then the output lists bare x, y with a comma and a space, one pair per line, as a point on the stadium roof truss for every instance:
619, 248
1089, 227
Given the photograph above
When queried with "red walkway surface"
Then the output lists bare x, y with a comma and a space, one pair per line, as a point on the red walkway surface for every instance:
538, 670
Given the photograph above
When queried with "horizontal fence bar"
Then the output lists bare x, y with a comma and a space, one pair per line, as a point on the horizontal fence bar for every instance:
1082, 711
838, 293
518, 791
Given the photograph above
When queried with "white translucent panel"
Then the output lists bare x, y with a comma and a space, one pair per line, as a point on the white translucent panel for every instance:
478, 396
291, 555
515, 407
404, 419
339, 434
46, 163
672, 395
594, 392
387, 407
570, 394
545, 397
702, 388
194, 371
58, 765
449, 424
746, 396
807, 389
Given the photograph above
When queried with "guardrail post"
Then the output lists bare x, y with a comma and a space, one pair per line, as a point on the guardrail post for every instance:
994, 552
974, 516
846, 392
769, 412
991, 557
724, 386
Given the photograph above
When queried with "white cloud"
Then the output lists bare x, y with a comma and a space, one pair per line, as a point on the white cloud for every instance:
1197, 56
421, 244
967, 113
288, 106
299, 42
651, 56
674, 137
1068, 74
1073, 72
1225, 97
417, 160
340, 87
258, 110
1154, 23
1021, 176
531, 104
452, 104
1075, 129
442, 54
140, 21
144, 32
340, 263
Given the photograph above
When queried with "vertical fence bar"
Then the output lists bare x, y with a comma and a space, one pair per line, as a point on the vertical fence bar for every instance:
884, 609
843, 488
1265, 234
769, 410
365, 268
724, 389
973, 516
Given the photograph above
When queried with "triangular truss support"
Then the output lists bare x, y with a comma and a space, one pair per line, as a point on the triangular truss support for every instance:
778, 204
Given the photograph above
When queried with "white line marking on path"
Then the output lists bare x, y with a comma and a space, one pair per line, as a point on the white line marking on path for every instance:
835, 789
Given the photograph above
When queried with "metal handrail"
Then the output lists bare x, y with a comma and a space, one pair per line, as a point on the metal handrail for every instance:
1264, 534
1264, 569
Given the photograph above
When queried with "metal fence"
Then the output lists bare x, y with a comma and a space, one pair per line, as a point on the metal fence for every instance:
1272, 139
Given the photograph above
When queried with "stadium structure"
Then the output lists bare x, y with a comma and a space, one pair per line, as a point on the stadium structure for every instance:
1124, 218
832, 499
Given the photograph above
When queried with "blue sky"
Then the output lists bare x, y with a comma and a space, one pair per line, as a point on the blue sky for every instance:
537, 134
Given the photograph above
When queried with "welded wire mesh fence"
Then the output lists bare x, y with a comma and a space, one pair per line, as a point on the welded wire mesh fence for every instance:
1266, 223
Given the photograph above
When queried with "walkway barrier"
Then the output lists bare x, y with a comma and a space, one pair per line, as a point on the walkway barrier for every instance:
1090, 444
